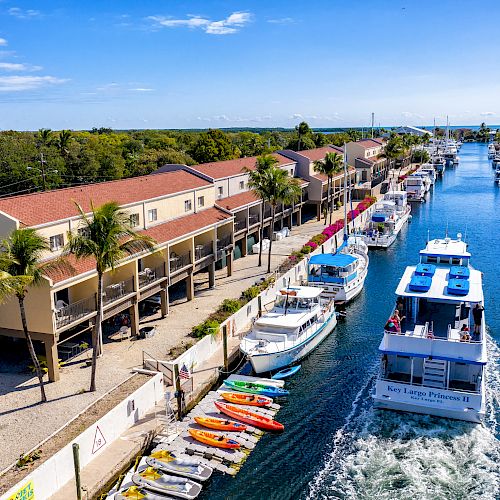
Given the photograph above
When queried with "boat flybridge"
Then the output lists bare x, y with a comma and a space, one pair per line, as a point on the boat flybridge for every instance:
389, 216
430, 171
300, 319
416, 187
437, 161
491, 150
341, 275
497, 174
434, 358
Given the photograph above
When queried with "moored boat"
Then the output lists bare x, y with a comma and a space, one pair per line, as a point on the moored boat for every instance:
246, 399
249, 417
187, 467
255, 388
220, 424
213, 439
153, 480
286, 372
136, 493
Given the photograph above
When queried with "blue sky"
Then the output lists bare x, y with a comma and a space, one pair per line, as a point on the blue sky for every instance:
197, 64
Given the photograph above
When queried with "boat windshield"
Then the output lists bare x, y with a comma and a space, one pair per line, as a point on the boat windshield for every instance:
291, 302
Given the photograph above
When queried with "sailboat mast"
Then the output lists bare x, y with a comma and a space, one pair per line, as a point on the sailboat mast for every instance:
345, 190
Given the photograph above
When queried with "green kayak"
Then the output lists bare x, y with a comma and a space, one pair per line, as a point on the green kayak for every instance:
255, 388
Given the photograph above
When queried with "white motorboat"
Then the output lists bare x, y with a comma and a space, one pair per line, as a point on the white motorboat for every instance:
491, 150
438, 163
300, 319
431, 362
430, 171
497, 174
389, 216
415, 188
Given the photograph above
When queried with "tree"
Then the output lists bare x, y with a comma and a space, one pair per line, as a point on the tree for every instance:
393, 149
257, 180
107, 238
63, 141
213, 145
275, 186
44, 137
329, 166
302, 130
21, 262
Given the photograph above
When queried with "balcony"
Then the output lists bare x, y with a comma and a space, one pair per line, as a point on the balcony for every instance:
202, 251
253, 219
178, 262
72, 313
149, 276
223, 244
267, 212
116, 291
239, 225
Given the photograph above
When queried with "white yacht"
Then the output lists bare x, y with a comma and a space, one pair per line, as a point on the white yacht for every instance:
497, 174
430, 171
341, 275
390, 215
298, 322
415, 187
432, 362
496, 160
437, 161
491, 150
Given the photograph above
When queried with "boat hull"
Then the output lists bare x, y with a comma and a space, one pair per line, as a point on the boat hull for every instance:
385, 241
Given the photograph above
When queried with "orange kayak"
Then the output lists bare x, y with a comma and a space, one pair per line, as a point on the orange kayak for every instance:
246, 399
220, 424
213, 439
249, 417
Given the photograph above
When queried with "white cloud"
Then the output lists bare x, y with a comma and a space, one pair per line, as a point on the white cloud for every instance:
296, 116
6, 66
3, 42
142, 89
487, 113
282, 20
228, 26
24, 14
409, 114
20, 83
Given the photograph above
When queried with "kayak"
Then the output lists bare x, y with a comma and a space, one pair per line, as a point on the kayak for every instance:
135, 493
246, 399
287, 372
249, 417
220, 424
155, 481
188, 467
253, 388
213, 439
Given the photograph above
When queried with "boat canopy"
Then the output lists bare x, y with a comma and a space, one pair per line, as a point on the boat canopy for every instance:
334, 260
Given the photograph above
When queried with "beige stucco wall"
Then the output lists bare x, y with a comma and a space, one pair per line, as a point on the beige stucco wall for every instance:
7, 225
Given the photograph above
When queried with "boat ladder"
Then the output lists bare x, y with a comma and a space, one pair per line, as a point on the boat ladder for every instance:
169, 421
434, 374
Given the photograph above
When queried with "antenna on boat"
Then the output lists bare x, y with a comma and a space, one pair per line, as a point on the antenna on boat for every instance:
287, 295
446, 233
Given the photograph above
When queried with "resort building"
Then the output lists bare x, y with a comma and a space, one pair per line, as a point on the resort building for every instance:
366, 155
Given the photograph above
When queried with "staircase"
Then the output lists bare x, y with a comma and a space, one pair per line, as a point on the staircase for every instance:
434, 374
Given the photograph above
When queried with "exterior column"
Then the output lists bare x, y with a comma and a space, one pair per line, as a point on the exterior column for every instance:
134, 319
211, 275
190, 286
52, 359
318, 211
244, 244
299, 217
164, 301
229, 263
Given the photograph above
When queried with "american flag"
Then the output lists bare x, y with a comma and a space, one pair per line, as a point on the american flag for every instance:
184, 372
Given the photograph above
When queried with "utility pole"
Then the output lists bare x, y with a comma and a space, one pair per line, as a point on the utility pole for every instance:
42, 169
373, 119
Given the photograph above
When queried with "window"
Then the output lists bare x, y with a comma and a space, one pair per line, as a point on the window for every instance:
455, 261
220, 191
152, 215
56, 242
201, 201
84, 231
134, 220
242, 184
187, 205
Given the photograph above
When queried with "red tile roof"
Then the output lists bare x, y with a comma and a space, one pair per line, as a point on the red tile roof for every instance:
369, 143
320, 153
162, 233
238, 200
230, 168
324, 178
39, 208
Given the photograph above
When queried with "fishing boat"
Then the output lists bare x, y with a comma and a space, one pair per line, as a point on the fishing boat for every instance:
246, 399
153, 480
213, 439
415, 188
299, 320
256, 388
249, 417
167, 462
387, 220
431, 362
287, 372
220, 424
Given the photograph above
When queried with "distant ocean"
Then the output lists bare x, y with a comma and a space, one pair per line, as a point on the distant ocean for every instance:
388, 127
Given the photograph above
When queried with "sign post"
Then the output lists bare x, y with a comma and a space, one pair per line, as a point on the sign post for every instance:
76, 462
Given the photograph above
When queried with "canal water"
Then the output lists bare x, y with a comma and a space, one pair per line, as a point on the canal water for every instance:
335, 445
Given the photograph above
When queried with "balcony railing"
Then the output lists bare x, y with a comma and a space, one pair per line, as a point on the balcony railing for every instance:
239, 225
253, 219
267, 212
150, 275
179, 261
73, 312
202, 251
224, 242
118, 290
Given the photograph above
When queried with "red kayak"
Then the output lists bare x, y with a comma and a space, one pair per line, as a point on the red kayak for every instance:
249, 417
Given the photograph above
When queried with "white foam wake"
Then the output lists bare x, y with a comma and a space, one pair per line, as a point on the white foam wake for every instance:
389, 455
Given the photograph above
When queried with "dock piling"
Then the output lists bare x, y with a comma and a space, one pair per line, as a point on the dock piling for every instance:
76, 462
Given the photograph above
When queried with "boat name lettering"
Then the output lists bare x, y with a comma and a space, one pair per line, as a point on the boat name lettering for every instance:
420, 394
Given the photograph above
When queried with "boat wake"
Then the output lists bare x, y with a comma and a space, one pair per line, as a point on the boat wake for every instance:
388, 455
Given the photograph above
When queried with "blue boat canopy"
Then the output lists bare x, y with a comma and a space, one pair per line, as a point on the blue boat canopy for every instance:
328, 259
379, 218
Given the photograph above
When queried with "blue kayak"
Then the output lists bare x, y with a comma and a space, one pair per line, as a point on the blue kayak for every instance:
287, 372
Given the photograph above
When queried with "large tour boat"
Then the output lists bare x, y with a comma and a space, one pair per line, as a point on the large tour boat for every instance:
434, 348
389, 216
300, 319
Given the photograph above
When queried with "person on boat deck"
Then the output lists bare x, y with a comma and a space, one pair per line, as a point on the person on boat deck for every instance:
477, 313
396, 319
400, 305
390, 326
464, 334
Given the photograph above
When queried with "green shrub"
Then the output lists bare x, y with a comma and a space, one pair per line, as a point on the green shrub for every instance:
230, 306
208, 327
306, 249
250, 293
319, 239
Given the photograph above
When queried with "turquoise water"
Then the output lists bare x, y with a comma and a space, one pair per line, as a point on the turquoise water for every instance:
335, 445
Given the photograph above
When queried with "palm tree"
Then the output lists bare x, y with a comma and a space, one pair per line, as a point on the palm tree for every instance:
256, 178
393, 150
44, 137
20, 261
63, 141
302, 129
275, 186
106, 237
329, 166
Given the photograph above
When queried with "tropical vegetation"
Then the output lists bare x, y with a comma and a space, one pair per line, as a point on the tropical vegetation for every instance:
330, 166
